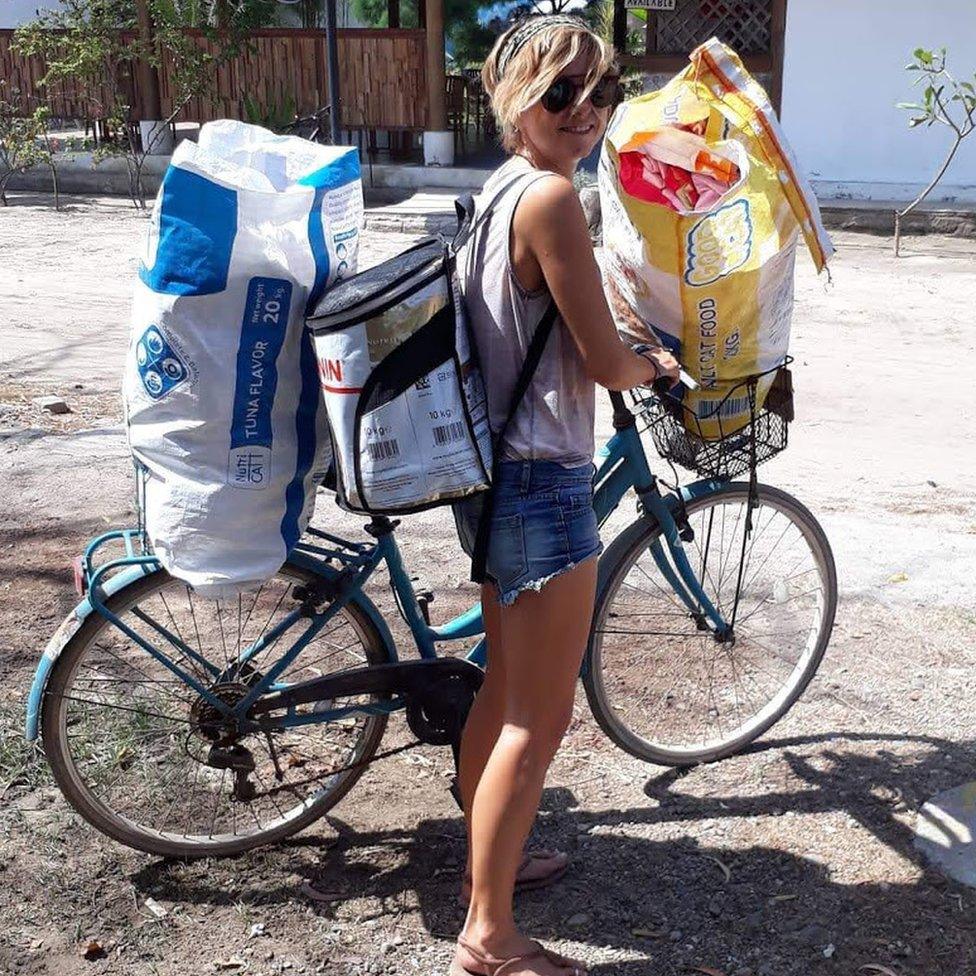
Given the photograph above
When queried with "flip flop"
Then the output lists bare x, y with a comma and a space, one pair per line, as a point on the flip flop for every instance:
558, 869
492, 966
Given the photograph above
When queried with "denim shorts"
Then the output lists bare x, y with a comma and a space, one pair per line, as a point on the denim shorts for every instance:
542, 525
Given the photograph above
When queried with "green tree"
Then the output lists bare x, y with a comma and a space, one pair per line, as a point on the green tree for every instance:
95, 46
24, 140
945, 101
468, 38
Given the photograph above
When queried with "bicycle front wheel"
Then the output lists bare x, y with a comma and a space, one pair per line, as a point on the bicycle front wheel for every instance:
132, 746
669, 692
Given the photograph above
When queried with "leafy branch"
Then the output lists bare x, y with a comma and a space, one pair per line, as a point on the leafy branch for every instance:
96, 48
24, 141
945, 101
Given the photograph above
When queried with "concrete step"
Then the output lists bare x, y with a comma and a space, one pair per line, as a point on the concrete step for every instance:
956, 219
428, 211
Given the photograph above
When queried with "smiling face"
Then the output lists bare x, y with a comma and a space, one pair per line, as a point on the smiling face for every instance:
527, 61
560, 140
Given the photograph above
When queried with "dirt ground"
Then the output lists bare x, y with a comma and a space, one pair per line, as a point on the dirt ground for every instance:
795, 859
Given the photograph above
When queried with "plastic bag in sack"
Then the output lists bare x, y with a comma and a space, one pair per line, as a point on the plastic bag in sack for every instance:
700, 229
221, 386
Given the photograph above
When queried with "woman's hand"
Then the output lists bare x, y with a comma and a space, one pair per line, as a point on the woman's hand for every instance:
667, 366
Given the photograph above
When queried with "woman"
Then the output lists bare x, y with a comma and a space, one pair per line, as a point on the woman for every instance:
552, 82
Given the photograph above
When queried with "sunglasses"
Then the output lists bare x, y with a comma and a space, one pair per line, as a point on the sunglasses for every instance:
564, 91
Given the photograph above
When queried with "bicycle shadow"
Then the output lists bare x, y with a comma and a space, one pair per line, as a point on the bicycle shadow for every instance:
645, 897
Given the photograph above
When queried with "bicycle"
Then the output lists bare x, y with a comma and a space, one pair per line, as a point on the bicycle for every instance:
317, 127
314, 127
184, 727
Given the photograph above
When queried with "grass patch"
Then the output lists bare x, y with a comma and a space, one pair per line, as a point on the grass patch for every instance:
23, 767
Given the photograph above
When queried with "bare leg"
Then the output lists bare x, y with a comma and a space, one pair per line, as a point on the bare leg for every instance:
485, 718
543, 636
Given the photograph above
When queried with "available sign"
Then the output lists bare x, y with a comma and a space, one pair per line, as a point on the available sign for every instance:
652, 4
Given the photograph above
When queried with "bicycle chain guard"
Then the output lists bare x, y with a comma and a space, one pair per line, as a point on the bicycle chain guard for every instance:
436, 714
438, 694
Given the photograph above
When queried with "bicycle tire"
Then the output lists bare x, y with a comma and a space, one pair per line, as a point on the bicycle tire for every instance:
123, 829
617, 562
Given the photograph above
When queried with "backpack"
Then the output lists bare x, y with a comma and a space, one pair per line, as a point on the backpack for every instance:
400, 378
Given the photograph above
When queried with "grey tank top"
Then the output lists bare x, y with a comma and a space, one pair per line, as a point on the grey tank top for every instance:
555, 421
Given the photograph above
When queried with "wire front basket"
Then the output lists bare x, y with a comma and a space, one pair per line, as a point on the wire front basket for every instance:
732, 436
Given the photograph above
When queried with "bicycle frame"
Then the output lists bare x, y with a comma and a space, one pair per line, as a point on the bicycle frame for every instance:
622, 465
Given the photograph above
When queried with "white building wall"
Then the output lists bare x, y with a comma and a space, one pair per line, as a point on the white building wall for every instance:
844, 72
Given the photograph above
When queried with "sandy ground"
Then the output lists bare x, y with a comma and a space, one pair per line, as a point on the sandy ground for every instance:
813, 825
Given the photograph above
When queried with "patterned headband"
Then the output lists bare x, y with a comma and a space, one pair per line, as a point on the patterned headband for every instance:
527, 30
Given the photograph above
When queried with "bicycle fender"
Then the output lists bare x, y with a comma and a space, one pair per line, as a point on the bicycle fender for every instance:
697, 489
69, 627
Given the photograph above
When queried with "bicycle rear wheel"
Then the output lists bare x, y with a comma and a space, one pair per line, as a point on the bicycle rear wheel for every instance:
128, 741
666, 690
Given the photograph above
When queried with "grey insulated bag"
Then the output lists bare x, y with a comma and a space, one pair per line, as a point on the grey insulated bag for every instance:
399, 373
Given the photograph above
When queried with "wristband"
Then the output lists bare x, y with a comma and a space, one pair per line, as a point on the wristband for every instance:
642, 349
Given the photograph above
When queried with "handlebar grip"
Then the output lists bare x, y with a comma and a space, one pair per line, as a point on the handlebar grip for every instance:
617, 400
664, 386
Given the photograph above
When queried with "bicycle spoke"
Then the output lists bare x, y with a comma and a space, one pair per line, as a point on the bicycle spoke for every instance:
193, 614
198, 671
665, 593
653, 633
675, 687
190, 806
139, 671
271, 617
176, 776
223, 640
142, 742
247, 619
768, 600
125, 708
217, 795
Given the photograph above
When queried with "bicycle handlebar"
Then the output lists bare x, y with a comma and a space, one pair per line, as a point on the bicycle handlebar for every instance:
661, 386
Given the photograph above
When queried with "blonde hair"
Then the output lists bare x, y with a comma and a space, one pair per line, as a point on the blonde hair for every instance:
516, 81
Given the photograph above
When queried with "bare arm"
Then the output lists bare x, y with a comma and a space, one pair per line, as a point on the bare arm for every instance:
551, 243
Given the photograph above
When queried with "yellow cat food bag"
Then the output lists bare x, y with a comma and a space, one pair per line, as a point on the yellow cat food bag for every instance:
703, 204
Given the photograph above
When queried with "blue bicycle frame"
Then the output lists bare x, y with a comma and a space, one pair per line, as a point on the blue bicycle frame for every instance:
622, 465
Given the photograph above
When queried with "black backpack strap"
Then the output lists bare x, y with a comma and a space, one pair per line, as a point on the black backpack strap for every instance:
533, 357
464, 208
